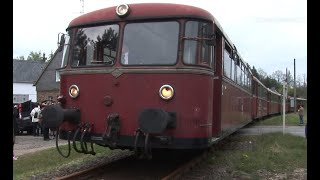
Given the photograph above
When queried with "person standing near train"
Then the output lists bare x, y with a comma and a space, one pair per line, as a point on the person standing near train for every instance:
301, 113
44, 128
35, 120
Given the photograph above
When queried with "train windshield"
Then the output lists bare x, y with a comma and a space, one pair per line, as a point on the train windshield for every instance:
95, 46
150, 43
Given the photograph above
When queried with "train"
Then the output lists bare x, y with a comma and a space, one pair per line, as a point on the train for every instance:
153, 76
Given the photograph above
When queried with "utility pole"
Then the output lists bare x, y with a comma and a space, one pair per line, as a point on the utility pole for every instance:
82, 9
295, 95
284, 97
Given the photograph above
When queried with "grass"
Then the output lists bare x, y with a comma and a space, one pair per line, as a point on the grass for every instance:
291, 119
274, 152
49, 159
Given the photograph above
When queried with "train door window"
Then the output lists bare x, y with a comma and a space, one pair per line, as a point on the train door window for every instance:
195, 37
95, 46
259, 90
244, 78
239, 73
66, 48
206, 50
248, 81
254, 87
243, 75
227, 61
233, 68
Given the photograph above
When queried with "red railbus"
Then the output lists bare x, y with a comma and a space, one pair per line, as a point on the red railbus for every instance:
152, 76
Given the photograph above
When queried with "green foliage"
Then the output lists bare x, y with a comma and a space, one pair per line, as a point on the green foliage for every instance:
291, 119
20, 58
34, 56
276, 81
272, 152
37, 56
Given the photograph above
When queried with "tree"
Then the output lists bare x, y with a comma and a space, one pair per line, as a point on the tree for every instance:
277, 75
34, 56
20, 58
290, 79
262, 74
254, 72
51, 55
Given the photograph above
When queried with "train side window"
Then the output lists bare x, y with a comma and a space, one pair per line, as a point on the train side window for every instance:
227, 61
227, 64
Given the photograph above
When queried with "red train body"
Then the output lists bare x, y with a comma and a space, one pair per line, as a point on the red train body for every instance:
185, 88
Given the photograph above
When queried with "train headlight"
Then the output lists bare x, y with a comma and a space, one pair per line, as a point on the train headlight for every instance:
122, 10
74, 91
166, 92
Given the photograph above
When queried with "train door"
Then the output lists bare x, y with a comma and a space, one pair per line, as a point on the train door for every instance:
216, 124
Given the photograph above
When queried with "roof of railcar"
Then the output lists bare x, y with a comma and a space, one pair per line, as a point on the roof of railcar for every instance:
142, 11
259, 82
146, 11
274, 92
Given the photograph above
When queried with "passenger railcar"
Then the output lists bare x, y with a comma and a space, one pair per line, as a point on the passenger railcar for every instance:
153, 76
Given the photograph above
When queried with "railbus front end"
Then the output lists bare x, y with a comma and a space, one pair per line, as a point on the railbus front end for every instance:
139, 79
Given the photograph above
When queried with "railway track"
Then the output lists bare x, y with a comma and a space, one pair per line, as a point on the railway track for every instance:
164, 166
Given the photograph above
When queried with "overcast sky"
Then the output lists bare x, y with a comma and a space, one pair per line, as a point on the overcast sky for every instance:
268, 34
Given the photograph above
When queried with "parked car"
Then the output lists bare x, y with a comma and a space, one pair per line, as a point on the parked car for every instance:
24, 122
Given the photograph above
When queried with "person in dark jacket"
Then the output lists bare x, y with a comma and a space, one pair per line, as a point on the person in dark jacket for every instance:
44, 128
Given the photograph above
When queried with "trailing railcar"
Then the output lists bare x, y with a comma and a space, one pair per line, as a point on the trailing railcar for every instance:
274, 102
260, 99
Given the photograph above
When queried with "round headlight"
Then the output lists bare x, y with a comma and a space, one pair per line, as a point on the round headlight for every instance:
74, 91
166, 92
122, 9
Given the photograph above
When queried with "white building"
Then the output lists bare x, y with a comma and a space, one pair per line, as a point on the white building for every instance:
25, 73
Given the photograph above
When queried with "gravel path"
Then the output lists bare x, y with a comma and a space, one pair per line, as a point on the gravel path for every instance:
29, 144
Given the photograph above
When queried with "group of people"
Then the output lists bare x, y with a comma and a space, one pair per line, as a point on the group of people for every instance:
38, 128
